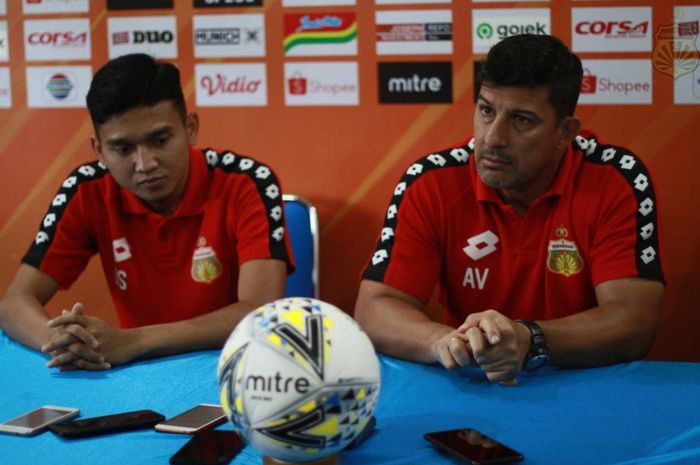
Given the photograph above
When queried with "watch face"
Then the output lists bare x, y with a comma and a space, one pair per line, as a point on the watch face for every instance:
536, 362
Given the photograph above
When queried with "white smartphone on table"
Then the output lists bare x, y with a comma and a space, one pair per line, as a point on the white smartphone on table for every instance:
37, 420
189, 422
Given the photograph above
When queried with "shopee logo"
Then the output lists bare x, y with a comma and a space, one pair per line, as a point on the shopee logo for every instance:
589, 82
297, 84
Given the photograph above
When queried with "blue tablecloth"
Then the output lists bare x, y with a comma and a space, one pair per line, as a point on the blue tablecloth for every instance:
635, 413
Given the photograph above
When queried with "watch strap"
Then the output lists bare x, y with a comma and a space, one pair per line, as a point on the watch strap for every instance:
538, 353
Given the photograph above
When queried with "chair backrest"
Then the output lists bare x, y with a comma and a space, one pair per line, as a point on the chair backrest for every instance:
302, 224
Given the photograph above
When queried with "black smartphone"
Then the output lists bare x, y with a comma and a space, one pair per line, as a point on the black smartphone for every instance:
474, 447
126, 421
364, 434
209, 447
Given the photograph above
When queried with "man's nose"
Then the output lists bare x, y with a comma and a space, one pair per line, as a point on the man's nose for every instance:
144, 160
497, 133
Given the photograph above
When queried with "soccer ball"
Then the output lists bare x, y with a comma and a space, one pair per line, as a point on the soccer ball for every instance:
298, 379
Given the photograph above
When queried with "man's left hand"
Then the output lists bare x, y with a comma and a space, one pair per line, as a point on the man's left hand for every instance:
116, 345
498, 344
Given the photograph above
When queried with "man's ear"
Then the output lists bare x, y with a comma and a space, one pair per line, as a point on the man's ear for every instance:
192, 125
568, 129
97, 147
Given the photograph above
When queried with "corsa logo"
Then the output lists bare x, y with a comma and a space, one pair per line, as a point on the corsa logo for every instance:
613, 28
58, 39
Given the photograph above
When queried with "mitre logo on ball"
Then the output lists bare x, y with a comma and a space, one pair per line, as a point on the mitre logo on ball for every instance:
298, 379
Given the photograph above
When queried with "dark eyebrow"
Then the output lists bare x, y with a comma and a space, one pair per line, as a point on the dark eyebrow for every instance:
118, 141
529, 113
481, 97
516, 111
164, 130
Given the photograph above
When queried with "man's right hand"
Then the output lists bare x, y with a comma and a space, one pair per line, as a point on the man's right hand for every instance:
452, 350
73, 346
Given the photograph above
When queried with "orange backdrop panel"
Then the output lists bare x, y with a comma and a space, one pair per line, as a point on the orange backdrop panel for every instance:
346, 160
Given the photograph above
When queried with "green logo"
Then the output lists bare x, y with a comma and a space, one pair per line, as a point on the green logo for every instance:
484, 31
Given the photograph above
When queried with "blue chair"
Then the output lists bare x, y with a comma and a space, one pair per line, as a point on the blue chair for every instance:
302, 224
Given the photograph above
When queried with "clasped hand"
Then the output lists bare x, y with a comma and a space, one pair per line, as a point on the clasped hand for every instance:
490, 340
85, 342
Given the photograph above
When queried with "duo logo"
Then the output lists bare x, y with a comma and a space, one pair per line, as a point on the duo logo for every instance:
320, 28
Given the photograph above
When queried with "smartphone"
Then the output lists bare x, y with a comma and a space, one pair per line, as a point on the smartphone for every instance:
107, 424
364, 434
200, 417
209, 447
37, 420
474, 447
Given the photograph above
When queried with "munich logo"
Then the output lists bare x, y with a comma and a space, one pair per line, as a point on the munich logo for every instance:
415, 82
227, 36
481, 245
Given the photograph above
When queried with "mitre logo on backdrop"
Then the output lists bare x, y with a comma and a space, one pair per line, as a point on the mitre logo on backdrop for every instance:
414, 32
327, 83
493, 25
57, 86
315, 34
415, 82
611, 29
616, 82
138, 4
30, 7
225, 3
57, 39
240, 84
153, 35
222, 36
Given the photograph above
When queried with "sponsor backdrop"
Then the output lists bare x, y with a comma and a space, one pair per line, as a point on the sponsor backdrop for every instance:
340, 96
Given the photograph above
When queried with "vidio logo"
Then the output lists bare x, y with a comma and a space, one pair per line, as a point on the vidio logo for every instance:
484, 31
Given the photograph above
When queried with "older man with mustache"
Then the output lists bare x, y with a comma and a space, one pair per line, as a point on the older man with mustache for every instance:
543, 239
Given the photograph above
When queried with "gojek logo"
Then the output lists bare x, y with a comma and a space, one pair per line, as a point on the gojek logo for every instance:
484, 31
493, 25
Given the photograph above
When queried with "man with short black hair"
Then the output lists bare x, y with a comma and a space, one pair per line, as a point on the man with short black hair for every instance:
190, 240
544, 240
